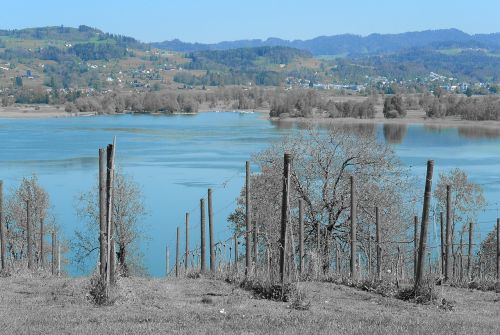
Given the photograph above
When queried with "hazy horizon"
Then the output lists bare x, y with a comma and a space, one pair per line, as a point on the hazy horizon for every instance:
209, 22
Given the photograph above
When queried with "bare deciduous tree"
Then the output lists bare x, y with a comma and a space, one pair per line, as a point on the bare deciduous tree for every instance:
128, 210
322, 163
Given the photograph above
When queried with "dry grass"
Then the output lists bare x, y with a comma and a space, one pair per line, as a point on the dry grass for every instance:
192, 306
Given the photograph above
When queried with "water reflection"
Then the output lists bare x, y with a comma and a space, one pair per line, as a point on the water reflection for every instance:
479, 132
367, 129
394, 133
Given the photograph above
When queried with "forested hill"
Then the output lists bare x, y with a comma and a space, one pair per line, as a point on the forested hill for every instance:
348, 44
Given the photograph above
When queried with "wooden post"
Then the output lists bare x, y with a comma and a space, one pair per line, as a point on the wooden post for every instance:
186, 254
2, 237
301, 237
443, 261
447, 269
469, 252
167, 261
54, 242
42, 257
415, 245
202, 232
284, 213
102, 213
110, 257
498, 249
247, 218
379, 243
58, 259
369, 265
255, 244
236, 255
28, 235
177, 253
354, 275
424, 225
211, 231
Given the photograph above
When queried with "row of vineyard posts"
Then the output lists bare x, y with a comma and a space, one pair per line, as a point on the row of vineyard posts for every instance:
289, 260
55, 252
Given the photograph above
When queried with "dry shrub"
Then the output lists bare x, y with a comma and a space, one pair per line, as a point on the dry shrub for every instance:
97, 292
424, 294
265, 290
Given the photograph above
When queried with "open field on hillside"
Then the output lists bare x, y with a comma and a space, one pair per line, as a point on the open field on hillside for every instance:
192, 306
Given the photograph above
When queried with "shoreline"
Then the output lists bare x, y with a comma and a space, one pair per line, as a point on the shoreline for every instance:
412, 118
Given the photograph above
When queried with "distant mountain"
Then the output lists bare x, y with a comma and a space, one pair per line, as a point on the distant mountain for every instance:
352, 45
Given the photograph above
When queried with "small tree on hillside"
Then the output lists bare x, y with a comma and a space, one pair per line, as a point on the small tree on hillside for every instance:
128, 211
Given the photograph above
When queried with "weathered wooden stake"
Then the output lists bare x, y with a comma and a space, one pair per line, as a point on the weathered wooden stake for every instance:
247, 219
415, 245
202, 232
177, 253
110, 257
498, 249
186, 253
442, 255
424, 225
354, 249
102, 213
448, 264
28, 234
2, 237
54, 242
255, 244
42, 256
211, 231
285, 205
301, 237
58, 259
469, 252
236, 252
379, 243
167, 261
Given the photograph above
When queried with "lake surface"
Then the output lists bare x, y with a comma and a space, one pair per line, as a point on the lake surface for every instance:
176, 158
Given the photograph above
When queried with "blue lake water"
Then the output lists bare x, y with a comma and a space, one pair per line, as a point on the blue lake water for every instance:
176, 158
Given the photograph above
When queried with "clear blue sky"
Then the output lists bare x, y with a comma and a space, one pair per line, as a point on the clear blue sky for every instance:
217, 20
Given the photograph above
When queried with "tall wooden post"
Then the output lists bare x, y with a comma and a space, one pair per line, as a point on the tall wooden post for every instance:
236, 252
28, 234
110, 257
379, 243
177, 253
58, 259
469, 252
301, 237
247, 218
415, 245
102, 213
424, 225
285, 205
167, 261
54, 242
186, 253
2, 237
211, 231
498, 249
202, 237
255, 243
42, 256
354, 274
442, 255
447, 269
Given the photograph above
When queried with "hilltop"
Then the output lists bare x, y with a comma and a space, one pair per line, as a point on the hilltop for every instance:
37, 63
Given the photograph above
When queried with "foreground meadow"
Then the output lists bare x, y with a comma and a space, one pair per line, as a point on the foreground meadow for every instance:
195, 306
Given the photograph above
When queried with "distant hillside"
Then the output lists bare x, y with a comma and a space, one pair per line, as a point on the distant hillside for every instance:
348, 44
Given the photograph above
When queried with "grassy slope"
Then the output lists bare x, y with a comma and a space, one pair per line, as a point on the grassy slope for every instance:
59, 306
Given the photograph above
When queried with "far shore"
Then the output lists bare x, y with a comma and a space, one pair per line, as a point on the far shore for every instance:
414, 117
